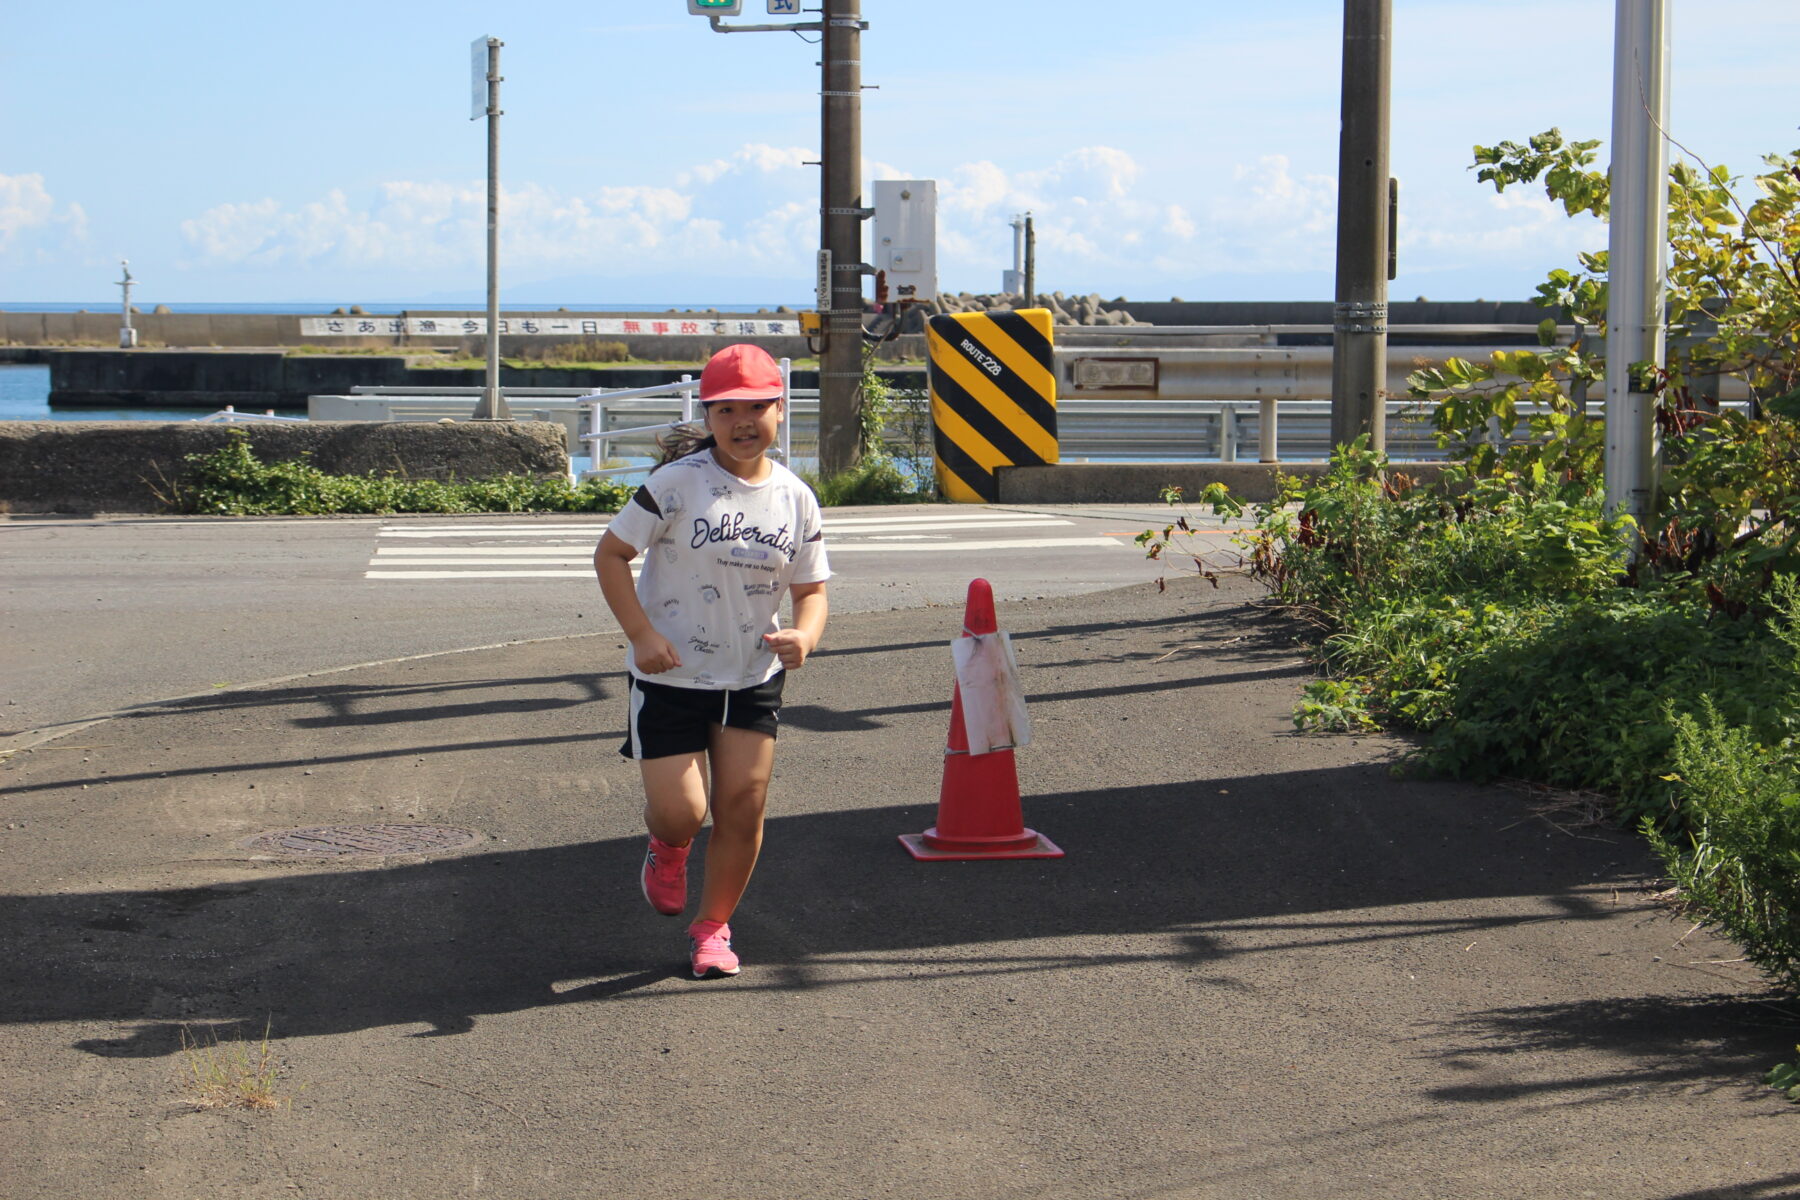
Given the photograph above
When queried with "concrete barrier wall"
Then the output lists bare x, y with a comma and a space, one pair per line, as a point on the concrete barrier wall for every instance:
134, 466
101, 327
254, 330
256, 380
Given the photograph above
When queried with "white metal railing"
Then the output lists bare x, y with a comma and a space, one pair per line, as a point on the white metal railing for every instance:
600, 404
229, 415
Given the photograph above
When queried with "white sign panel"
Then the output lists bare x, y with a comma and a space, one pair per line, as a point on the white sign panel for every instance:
478, 81
784, 8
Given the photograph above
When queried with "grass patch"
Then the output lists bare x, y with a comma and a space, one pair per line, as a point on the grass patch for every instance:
232, 481
229, 1072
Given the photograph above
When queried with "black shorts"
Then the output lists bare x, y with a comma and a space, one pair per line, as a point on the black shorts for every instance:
664, 720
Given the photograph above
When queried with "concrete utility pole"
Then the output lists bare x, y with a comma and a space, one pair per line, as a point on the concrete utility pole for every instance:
1030, 295
492, 406
1359, 340
841, 214
1636, 252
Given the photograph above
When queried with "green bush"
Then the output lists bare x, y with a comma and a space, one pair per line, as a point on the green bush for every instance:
1579, 695
1739, 868
232, 481
872, 481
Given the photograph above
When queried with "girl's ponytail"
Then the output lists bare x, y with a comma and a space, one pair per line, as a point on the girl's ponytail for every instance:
682, 441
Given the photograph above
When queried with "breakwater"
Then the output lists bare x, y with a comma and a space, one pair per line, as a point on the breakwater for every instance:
258, 380
251, 330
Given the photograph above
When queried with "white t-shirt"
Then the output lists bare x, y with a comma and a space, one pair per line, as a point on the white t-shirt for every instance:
719, 554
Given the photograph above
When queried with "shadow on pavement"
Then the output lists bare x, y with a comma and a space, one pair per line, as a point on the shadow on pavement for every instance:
444, 942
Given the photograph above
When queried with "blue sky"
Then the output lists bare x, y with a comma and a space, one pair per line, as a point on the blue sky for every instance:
324, 153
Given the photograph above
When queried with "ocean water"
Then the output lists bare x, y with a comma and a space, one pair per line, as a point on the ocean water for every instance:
25, 396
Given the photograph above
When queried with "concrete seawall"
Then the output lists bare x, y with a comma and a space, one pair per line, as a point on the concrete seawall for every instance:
256, 380
135, 466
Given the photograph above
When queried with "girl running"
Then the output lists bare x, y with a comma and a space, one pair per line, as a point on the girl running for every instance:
725, 534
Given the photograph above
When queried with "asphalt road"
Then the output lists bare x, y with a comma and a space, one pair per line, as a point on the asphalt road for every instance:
1267, 967
100, 615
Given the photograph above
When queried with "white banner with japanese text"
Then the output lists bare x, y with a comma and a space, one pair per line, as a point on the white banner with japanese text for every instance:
550, 326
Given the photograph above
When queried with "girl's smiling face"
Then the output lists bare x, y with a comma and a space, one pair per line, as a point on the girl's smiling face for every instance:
743, 430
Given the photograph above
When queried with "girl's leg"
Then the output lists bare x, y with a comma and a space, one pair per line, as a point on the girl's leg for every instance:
674, 796
742, 760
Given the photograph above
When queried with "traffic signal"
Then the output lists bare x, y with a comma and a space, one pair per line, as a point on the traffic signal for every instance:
716, 8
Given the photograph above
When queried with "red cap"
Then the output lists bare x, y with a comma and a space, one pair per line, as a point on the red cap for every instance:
740, 372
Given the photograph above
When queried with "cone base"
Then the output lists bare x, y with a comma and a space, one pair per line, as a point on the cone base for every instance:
919, 846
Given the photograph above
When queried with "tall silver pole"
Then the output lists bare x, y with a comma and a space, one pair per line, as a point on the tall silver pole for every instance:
493, 404
1359, 340
127, 335
1636, 252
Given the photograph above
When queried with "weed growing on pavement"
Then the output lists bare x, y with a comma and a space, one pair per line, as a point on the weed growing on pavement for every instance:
886, 419
1785, 1078
229, 1073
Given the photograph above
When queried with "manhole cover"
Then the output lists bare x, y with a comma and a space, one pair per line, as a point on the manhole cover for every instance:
359, 841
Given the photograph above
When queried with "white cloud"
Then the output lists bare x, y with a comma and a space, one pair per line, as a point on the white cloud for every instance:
1517, 225
420, 226
30, 217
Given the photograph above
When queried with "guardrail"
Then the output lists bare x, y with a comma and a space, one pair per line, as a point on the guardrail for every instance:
1124, 392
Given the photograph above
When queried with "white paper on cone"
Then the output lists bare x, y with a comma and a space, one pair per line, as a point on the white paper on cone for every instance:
993, 705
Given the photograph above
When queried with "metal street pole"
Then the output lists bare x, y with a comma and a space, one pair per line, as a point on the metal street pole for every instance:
1359, 340
127, 335
493, 405
1635, 253
841, 216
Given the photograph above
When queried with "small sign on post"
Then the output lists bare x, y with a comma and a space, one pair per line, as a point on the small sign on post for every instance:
822, 287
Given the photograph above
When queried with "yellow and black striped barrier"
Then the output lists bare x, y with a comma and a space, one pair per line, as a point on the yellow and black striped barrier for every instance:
993, 398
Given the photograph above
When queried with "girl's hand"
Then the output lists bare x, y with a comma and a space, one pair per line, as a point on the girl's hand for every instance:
653, 653
791, 646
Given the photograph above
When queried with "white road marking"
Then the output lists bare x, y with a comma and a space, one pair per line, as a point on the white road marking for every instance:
832, 548
587, 574
511, 551
845, 525
563, 551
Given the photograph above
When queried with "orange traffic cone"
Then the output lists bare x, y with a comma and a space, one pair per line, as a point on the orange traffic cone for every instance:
978, 806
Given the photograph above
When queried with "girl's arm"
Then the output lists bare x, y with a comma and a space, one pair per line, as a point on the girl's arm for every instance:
651, 651
793, 644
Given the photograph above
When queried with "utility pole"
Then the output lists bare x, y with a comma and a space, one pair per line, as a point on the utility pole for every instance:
492, 406
1030, 296
1359, 317
841, 215
1636, 253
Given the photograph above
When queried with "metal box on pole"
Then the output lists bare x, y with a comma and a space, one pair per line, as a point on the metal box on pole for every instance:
906, 236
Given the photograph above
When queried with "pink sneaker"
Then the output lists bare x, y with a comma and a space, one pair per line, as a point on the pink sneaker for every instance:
665, 877
709, 948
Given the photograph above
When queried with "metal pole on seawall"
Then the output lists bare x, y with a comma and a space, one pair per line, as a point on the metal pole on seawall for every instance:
493, 405
1359, 317
127, 335
840, 222
1636, 253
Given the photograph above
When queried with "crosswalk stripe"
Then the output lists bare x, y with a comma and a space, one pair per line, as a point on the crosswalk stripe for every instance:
587, 574
845, 525
564, 551
836, 548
